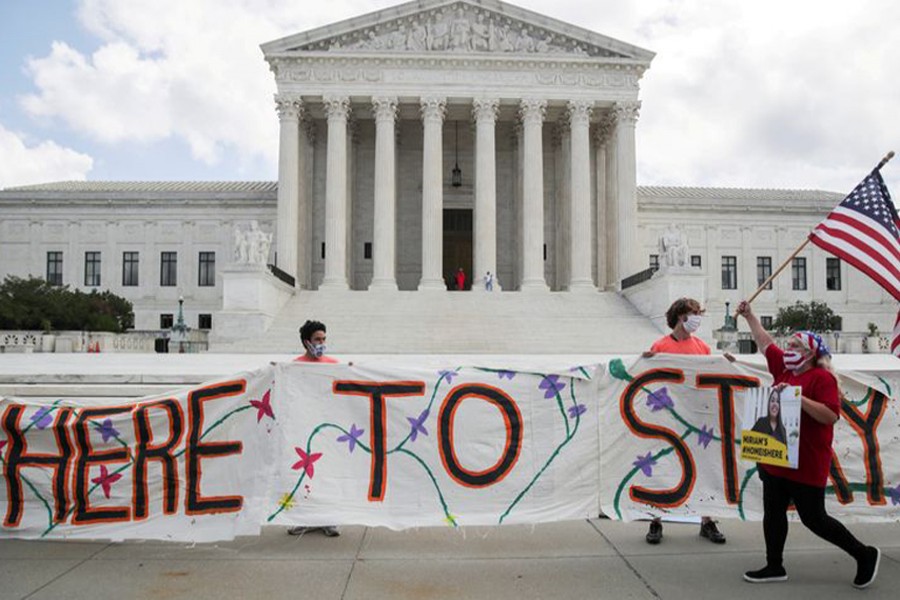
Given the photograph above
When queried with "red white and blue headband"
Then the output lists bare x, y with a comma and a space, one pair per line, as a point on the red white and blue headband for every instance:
814, 342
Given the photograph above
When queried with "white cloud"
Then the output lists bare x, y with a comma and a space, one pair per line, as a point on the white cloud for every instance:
756, 94
47, 161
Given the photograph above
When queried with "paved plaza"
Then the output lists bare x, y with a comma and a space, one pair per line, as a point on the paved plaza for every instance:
577, 559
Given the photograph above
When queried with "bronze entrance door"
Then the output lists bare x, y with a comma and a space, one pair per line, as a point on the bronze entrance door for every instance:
457, 245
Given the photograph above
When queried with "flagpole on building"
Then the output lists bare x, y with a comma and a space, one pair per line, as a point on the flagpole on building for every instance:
760, 289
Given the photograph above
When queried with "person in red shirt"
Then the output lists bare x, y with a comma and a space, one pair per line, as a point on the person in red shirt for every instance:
460, 280
801, 365
312, 336
683, 318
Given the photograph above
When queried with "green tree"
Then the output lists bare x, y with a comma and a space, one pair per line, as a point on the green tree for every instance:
811, 316
34, 304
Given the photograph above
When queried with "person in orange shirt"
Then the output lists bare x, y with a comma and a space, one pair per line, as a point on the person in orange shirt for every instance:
312, 336
683, 318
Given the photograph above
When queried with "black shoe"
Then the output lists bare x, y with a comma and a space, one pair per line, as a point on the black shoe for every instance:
709, 530
298, 530
330, 531
867, 568
766, 575
654, 536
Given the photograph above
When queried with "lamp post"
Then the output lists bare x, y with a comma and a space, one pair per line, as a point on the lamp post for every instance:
180, 329
727, 335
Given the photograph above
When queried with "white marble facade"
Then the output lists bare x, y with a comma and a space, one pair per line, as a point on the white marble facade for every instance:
374, 113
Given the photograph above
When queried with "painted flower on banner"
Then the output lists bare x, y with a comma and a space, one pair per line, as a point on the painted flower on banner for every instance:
659, 400
106, 480
506, 374
577, 410
263, 407
352, 437
306, 462
42, 418
2, 443
894, 494
418, 425
107, 431
705, 436
645, 464
287, 502
551, 385
450, 520
448, 375
617, 369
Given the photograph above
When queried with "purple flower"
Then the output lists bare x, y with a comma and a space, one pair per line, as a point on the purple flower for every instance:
448, 375
42, 417
352, 437
417, 425
107, 430
705, 436
659, 400
506, 374
645, 464
551, 385
577, 410
894, 493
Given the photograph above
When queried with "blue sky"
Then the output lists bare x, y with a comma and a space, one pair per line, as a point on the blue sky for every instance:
772, 94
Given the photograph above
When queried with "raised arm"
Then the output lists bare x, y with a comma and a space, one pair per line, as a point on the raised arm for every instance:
760, 335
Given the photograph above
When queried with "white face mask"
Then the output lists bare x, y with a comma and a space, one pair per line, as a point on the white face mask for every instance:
793, 360
317, 350
692, 323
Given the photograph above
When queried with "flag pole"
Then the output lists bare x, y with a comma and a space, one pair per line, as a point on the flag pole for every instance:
885, 160
778, 272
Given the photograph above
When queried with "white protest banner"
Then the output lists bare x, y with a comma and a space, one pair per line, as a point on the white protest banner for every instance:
193, 465
406, 448
670, 442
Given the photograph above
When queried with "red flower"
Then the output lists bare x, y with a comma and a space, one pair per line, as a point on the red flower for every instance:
106, 479
263, 407
306, 461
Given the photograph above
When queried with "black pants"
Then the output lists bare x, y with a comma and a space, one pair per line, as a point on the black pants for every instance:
810, 504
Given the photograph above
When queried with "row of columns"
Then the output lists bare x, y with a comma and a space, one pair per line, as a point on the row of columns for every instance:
619, 181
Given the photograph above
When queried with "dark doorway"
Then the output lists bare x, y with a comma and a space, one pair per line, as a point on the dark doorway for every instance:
457, 245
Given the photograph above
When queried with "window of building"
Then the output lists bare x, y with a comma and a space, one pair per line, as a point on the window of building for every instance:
766, 322
54, 268
323, 250
729, 272
204, 321
696, 261
832, 274
129, 269
654, 262
92, 269
207, 271
367, 250
166, 320
168, 269
798, 273
763, 270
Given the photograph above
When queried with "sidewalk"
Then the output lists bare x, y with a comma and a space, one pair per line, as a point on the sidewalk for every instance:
579, 559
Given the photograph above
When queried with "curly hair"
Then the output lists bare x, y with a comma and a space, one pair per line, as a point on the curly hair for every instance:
309, 328
679, 308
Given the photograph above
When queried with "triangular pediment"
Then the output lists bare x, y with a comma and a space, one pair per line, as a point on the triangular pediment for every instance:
457, 26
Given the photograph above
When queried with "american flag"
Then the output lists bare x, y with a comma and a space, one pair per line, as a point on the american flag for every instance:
864, 230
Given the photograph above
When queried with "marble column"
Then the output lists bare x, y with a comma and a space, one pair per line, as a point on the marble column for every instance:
601, 137
290, 108
384, 255
305, 215
630, 260
531, 111
485, 112
433, 110
580, 211
337, 110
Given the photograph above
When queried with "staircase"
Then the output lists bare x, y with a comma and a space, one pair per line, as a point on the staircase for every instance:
377, 322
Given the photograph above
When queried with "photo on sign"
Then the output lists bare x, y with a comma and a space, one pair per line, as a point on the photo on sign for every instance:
771, 426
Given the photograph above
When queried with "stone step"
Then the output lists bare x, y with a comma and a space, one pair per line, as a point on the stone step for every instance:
459, 322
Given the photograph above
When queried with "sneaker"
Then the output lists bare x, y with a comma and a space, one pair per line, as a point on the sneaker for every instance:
709, 530
867, 568
654, 536
330, 531
298, 530
766, 575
